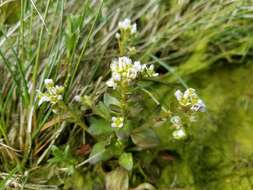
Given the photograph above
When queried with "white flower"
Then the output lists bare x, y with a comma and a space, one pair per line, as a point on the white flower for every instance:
117, 35
190, 93
143, 67
132, 74
77, 98
116, 76
199, 106
117, 122
49, 82
176, 120
137, 66
179, 134
124, 70
125, 61
43, 99
111, 83
151, 67
53, 94
190, 99
179, 95
59, 97
126, 25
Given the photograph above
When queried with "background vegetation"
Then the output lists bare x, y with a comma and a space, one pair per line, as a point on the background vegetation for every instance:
205, 44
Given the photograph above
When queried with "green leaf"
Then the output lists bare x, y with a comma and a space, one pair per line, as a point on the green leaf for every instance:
99, 153
145, 138
124, 132
117, 179
99, 127
126, 161
102, 111
63, 158
110, 100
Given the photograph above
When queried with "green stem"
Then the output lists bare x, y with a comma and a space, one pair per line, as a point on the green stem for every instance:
28, 144
123, 99
154, 99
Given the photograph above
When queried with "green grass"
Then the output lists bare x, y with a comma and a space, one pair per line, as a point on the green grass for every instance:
200, 43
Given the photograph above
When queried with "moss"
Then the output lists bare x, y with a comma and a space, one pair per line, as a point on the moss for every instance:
219, 157
225, 155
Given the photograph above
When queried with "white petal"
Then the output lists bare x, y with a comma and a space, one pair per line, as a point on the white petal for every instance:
111, 83
125, 24
133, 28
77, 98
114, 118
117, 35
137, 66
116, 76
179, 134
49, 82
43, 99
59, 97
199, 106
178, 95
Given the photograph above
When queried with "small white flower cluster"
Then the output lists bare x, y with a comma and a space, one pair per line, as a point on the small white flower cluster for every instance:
179, 133
124, 70
126, 25
190, 99
53, 94
117, 122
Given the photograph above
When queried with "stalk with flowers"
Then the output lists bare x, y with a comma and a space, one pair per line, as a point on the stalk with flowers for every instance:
112, 122
125, 73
